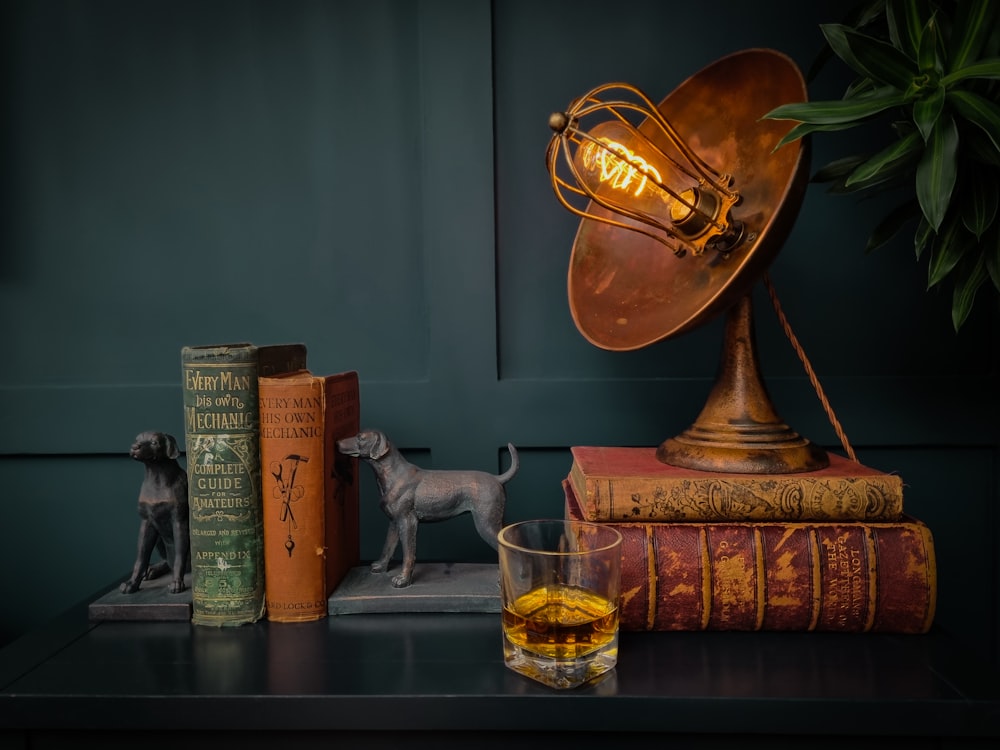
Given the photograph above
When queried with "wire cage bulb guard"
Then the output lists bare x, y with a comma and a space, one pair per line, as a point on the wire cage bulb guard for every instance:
645, 173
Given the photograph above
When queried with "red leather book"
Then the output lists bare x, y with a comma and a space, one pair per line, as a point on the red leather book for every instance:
631, 484
772, 575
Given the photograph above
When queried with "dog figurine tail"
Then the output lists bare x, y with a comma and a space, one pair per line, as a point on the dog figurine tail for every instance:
515, 463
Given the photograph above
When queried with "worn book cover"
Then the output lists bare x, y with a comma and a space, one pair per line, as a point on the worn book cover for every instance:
221, 430
311, 534
631, 484
793, 576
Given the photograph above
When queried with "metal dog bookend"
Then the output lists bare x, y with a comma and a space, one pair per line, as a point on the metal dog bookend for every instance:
163, 513
411, 495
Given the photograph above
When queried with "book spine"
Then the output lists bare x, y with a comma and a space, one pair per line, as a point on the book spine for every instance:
745, 498
223, 458
310, 497
791, 576
343, 518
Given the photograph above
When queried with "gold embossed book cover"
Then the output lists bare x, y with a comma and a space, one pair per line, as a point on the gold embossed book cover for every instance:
631, 484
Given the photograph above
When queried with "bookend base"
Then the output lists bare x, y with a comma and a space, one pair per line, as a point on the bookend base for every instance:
435, 587
152, 602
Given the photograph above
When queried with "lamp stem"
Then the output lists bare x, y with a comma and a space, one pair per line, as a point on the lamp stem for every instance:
739, 430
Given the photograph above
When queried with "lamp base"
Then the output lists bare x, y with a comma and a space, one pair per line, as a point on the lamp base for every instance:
738, 430
743, 449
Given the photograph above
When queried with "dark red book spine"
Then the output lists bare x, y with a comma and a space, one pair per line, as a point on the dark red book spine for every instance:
792, 576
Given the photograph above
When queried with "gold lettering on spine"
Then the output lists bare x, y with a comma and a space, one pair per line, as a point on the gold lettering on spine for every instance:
869, 568
929, 570
815, 563
652, 558
706, 579
760, 591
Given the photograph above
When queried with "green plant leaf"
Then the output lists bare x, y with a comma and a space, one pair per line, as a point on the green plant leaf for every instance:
884, 183
869, 56
865, 14
893, 222
896, 176
860, 87
903, 128
905, 24
838, 111
926, 111
857, 17
937, 171
923, 238
973, 23
888, 161
987, 69
949, 247
928, 59
835, 35
803, 129
890, 173
839, 169
978, 110
980, 209
969, 277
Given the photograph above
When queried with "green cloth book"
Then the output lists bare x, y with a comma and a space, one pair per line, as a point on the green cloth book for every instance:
222, 436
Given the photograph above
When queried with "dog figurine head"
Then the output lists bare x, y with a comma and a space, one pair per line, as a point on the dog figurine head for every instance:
368, 445
154, 446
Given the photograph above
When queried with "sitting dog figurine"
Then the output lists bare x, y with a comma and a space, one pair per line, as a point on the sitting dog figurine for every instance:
163, 513
411, 495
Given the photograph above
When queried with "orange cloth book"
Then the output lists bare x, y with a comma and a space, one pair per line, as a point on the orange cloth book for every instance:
794, 576
311, 534
631, 484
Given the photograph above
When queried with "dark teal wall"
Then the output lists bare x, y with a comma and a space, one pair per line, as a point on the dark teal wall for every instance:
367, 177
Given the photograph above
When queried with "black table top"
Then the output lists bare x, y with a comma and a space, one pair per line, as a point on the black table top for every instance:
444, 671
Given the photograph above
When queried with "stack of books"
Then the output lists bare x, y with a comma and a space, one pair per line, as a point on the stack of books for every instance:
826, 550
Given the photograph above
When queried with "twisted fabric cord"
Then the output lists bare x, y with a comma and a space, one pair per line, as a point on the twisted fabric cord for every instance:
787, 328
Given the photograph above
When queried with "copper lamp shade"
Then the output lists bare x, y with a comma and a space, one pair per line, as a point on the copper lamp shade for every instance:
627, 290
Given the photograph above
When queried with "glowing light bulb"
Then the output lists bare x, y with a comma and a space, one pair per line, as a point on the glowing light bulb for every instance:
621, 168
646, 174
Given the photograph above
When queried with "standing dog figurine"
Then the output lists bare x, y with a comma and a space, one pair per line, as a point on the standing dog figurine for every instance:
163, 512
411, 495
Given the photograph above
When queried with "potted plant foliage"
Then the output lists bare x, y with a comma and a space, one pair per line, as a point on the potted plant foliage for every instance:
928, 69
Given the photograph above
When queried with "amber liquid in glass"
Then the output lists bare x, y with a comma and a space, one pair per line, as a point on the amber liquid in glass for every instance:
560, 622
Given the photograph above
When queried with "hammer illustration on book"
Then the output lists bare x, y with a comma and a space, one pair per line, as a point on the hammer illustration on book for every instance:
288, 492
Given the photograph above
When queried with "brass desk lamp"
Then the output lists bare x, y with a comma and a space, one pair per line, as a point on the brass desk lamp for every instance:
683, 207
